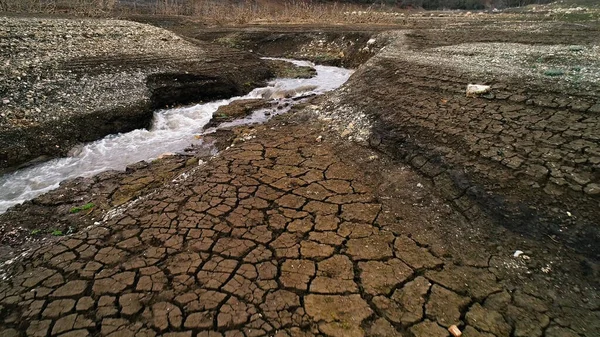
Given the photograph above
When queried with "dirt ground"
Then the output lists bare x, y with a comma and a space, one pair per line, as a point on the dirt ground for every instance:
392, 207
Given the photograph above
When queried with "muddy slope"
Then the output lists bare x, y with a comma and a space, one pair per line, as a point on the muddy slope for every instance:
102, 77
526, 154
293, 232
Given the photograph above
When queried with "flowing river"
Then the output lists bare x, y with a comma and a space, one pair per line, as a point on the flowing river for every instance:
172, 130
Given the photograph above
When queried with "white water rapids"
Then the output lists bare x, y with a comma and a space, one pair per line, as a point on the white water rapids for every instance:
172, 130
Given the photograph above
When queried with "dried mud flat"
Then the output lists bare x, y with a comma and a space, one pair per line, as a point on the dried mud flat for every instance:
298, 231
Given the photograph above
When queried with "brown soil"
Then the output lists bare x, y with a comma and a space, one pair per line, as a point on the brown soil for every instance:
297, 231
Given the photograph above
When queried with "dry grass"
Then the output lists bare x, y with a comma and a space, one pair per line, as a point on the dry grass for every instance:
77, 7
213, 11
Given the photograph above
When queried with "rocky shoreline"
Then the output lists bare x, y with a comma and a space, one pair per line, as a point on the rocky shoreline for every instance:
69, 81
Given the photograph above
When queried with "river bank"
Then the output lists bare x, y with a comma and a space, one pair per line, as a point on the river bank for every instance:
71, 81
394, 206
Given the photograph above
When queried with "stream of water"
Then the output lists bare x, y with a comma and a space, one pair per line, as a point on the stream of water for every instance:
172, 130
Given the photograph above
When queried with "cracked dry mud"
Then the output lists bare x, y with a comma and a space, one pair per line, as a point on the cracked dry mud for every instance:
283, 235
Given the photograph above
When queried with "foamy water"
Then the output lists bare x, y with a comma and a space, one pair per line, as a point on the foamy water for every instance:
172, 130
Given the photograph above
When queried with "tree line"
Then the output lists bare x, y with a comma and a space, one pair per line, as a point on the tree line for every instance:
451, 4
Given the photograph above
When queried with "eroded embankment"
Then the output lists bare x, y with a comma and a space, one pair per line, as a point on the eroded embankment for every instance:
71, 81
527, 154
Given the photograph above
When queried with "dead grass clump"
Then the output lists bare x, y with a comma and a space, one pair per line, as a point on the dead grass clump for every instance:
77, 7
213, 11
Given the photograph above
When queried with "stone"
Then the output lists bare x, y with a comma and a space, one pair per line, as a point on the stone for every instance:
239, 108
488, 320
444, 306
592, 189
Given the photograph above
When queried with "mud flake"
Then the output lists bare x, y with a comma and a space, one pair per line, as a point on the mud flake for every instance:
232, 247
286, 245
291, 201
58, 308
130, 304
200, 320
527, 323
110, 255
297, 273
529, 302
382, 328
70, 322
428, 328
115, 284
337, 186
311, 249
320, 208
70, 289
360, 212
477, 282
328, 238
374, 247
313, 191
444, 306
337, 313
334, 275
288, 184
165, 315
488, 320
326, 222
355, 231
312, 176
379, 278
413, 255
38, 328
184, 263
233, 312
37, 276
84, 304
406, 305
215, 272
556, 331
340, 171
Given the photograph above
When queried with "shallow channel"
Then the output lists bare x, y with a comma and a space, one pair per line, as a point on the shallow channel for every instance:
172, 131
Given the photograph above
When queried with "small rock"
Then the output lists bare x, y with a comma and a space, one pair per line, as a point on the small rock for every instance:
517, 253
477, 89
592, 189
